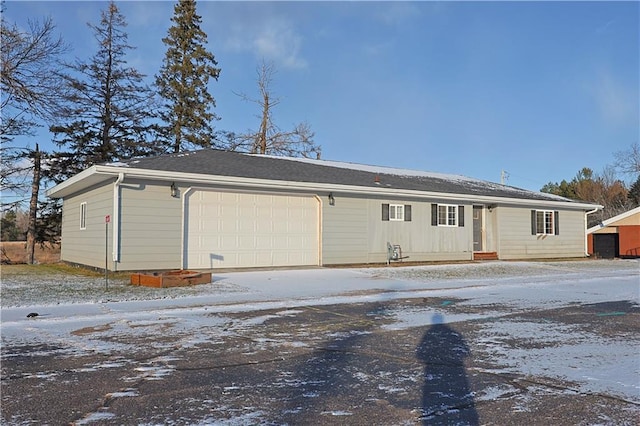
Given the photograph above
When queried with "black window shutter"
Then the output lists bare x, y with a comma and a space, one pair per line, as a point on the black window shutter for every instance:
460, 215
556, 222
385, 212
434, 215
407, 213
534, 230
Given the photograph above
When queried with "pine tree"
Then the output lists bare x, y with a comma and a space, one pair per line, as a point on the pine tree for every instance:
107, 115
634, 193
183, 80
9, 230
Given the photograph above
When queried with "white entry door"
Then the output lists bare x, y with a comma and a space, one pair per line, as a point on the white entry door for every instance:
236, 230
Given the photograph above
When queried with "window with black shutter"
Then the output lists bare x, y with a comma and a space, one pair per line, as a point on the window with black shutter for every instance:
447, 215
396, 212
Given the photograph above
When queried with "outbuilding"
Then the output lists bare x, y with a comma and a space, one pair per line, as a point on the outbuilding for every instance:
212, 209
618, 236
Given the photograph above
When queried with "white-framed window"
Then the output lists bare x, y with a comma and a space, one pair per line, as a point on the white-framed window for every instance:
544, 222
447, 215
396, 212
83, 215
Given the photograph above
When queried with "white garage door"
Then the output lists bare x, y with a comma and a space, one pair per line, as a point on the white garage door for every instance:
227, 229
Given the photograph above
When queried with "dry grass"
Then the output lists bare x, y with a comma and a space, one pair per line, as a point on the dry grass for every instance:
14, 252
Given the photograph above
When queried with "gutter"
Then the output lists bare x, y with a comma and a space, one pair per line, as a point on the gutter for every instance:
586, 236
116, 219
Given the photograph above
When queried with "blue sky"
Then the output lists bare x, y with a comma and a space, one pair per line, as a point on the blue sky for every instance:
539, 89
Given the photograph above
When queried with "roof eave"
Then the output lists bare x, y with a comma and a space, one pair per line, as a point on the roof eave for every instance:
613, 219
96, 174
86, 178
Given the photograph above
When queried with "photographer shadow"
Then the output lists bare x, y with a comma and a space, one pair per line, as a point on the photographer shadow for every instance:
446, 398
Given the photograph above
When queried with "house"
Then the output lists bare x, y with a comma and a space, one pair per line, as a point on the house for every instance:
618, 236
211, 209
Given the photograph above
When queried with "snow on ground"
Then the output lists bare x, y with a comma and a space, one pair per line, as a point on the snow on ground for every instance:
68, 305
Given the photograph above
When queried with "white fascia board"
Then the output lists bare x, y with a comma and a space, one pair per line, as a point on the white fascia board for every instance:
233, 181
613, 219
62, 188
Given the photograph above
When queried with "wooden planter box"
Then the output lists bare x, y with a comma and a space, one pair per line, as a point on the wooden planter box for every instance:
171, 279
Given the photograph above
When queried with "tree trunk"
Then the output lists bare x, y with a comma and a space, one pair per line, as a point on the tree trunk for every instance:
262, 135
33, 208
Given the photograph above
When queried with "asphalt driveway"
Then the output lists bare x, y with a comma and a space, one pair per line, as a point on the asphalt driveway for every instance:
556, 347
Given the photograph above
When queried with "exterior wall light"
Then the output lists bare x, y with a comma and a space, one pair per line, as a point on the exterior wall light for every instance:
174, 190
491, 207
332, 201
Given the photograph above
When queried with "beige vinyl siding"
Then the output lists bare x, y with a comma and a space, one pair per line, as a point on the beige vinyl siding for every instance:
87, 246
354, 232
345, 231
628, 221
517, 242
490, 230
150, 228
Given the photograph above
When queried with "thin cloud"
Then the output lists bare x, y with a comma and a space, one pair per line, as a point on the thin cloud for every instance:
379, 48
618, 104
605, 28
397, 13
276, 40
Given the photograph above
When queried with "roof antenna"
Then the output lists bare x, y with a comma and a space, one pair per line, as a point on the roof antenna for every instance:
504, 176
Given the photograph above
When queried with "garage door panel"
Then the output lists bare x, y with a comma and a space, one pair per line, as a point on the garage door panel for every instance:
264, 242
263, 224
226, 228
279, 226
246, 224
296, 227
245, 241
263, 258
229, 242
246, 230
297, 243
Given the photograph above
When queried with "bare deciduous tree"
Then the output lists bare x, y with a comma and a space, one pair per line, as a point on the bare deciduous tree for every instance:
30, 88
628, 161
269, 138
29, 92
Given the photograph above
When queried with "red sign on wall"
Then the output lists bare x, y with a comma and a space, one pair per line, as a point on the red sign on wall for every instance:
107, 218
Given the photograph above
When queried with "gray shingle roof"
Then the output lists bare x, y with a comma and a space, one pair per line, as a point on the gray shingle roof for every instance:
233, 164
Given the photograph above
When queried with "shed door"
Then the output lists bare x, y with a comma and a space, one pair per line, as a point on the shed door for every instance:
605, 245
235, 230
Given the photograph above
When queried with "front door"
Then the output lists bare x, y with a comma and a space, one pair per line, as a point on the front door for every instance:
477, 228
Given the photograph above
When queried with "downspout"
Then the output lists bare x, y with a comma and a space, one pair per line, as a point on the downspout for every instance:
116, 220
586, 240
185, 225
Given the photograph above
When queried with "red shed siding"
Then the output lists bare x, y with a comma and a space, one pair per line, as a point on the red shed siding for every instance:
629, 240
